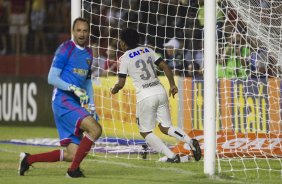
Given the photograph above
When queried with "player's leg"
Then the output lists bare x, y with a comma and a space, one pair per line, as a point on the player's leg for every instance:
165, 126
75, 121
92, 131
26, 159
158, 145
175, 132
182, 136
146, 118
163, 116
70, 152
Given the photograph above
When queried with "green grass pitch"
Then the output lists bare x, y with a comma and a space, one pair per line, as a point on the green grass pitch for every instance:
110, 169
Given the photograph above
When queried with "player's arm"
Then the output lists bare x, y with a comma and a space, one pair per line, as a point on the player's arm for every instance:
59, 62
121, 76
119, 84
91, 104
89, 90
55, 79
162, 65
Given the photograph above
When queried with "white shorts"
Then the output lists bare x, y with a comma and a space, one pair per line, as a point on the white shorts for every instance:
18, 24
152, 109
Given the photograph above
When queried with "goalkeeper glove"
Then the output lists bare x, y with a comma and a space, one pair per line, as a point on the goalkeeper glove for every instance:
80, 93
92, 110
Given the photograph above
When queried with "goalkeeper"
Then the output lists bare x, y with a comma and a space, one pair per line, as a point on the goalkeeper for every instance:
77, 125
152, 101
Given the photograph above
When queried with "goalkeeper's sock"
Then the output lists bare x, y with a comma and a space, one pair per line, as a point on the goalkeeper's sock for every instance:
179, 134
157, 144
82, 151
52, 156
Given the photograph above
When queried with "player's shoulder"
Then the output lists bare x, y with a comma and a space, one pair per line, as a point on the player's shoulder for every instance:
67, 45
65, 48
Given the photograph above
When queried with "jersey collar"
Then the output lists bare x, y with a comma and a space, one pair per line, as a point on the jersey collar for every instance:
79, 47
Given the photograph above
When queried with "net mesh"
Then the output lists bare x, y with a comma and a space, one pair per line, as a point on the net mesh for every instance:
248, 77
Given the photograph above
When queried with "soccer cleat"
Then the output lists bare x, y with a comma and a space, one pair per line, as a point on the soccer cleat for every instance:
176, 159
77, 173
196, 149
23, 165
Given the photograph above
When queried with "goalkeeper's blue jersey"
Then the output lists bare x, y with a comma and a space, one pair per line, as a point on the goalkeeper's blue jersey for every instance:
75, 63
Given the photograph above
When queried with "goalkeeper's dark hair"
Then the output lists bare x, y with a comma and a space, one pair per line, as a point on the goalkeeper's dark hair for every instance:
130, 37
82, 20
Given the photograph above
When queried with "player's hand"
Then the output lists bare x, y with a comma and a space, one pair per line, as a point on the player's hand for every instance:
92, 110
173, 90
114, 91
80, 93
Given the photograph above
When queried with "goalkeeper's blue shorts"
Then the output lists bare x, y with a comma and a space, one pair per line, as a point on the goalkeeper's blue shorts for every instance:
68, 118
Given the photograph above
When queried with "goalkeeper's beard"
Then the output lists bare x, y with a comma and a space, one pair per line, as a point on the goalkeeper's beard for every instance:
81, 41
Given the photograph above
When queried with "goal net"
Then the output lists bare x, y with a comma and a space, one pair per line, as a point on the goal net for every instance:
248, 72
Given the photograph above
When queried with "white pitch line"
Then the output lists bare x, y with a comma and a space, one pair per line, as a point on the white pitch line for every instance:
177, 170
8, 151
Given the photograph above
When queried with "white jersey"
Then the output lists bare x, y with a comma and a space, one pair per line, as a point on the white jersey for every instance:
139, 64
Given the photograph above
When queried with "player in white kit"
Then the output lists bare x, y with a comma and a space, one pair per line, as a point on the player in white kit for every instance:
152, 101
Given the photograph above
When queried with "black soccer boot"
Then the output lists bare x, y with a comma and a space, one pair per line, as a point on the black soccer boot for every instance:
23, 165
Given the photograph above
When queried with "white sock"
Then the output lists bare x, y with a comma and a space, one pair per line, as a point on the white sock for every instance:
157, 144
179, 134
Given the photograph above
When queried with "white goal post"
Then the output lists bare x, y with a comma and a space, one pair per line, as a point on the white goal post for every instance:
75, 10
210, 87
